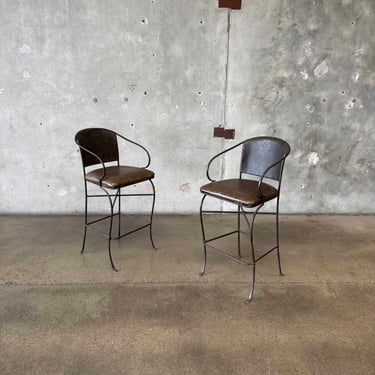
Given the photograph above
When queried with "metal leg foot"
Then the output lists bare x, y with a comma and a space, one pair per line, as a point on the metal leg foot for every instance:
152, 240
110, 256
278, 238
84, 240
152, 215
279, 261
204, 261
249, 299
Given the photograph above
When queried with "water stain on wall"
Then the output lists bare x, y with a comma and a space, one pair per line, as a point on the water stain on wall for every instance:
185, 188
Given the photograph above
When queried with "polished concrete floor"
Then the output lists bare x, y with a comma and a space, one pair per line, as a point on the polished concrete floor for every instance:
66, 313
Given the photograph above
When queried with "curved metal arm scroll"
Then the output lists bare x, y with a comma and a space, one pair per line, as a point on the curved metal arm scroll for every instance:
216, 156
137, 144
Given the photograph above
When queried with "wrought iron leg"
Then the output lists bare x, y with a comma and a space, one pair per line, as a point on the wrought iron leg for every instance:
85, 231
277, 239
152, 214
112, 203
204, 238
84, 240
251, 229
239, 231
119, 212
110, 256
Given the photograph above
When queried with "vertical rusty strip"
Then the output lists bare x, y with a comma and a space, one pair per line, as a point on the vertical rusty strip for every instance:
221, 131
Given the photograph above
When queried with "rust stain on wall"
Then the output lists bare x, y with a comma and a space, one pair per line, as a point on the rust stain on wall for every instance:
220, 132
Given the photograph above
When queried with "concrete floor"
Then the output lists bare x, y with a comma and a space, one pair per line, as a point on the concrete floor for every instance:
66, 313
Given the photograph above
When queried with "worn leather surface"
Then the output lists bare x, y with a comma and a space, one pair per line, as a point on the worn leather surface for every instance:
117, 177
240, 191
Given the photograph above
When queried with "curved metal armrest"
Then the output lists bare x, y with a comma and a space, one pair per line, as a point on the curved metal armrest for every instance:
100, 160
140, 146
264, 173
216, 156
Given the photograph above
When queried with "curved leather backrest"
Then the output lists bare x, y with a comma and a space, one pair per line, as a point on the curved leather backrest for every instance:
102, 142
261, 152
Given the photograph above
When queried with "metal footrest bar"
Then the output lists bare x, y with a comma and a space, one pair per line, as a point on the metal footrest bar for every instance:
88, 225
221, 236
229, 256
237, 259
266, 253
132, 231
102, 218
235, 212
118, 195
218, 212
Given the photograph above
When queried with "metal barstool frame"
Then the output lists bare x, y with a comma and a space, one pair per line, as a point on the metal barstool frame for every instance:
242, 210
112, 198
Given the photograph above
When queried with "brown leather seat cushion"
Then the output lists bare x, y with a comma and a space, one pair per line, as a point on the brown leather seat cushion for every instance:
240, 191
117, 177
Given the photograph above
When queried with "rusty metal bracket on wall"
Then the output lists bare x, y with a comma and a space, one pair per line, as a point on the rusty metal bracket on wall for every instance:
232, 4
224, 133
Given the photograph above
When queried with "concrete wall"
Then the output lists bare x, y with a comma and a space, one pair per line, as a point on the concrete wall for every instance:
155, 70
